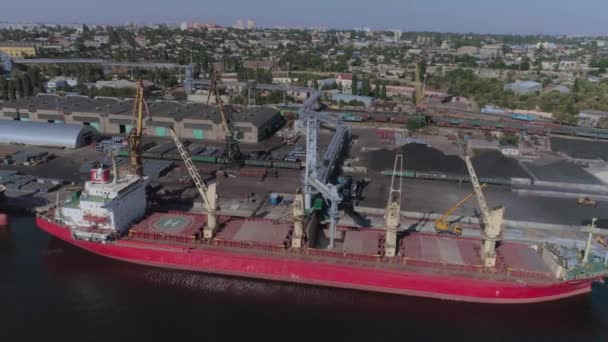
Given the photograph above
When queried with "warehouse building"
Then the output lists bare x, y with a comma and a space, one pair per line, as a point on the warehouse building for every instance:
591, 118
112, 116
46, 134
524, 87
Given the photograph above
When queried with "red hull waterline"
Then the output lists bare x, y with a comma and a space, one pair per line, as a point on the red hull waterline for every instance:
326, 274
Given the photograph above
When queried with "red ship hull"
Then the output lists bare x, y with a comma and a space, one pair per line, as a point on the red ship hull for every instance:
467, 289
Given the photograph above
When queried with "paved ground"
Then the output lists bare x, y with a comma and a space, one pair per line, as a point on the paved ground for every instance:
65, 165
559, 170
581, 148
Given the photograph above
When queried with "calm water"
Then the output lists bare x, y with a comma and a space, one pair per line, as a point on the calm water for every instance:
50, 291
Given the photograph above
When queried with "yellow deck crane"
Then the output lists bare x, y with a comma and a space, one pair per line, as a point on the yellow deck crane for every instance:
208, 193
232, 151
442, 226
137, 130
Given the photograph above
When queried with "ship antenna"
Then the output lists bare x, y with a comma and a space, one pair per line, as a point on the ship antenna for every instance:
114, 168
57, 209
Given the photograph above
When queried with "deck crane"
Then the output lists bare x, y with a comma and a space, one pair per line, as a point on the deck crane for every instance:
442, 226
392, 215
232, 151
298, 215
208, 193
137, 130
491, 220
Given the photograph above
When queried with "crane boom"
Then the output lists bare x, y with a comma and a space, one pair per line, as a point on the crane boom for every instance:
208, 194
483, 205
214, 89
392, 215
137, 129
232, 151
492, 221
298, 214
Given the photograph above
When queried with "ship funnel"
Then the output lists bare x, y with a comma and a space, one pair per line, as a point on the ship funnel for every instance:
100, 174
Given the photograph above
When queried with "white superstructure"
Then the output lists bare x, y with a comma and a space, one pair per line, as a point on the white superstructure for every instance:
107, 206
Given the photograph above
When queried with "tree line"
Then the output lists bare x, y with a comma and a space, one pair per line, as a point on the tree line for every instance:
565, 107
260, 75
363, 87
21, 84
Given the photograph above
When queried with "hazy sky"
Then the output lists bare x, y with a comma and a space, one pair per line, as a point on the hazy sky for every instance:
493, 16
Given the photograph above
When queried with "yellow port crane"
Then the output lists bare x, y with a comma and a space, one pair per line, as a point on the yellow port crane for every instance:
232, 151
442, 226
137, 130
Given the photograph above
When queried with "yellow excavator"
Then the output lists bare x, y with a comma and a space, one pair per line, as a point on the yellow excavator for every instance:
586, 201
442, 226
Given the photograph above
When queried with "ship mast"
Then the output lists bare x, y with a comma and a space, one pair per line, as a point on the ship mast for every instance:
114, 168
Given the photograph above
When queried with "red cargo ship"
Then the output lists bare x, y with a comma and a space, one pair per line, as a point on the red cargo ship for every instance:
425, 265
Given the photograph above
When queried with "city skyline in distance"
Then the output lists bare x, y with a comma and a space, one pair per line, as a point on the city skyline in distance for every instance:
585, 17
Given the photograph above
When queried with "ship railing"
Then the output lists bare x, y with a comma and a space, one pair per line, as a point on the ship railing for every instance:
603, 274
528, 274
446, 266
342, 255
162, 237
248, 245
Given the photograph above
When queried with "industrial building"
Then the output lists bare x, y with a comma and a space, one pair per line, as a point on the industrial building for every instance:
45, 134
491, 51
591, 118
467, 50
260, 64
112, 116
59, 82
6, 65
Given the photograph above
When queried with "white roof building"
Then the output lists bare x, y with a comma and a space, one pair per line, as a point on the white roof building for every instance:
45, 134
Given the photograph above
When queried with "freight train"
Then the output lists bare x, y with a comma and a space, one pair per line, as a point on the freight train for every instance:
513, 126
397, 118
277, 164
458, 178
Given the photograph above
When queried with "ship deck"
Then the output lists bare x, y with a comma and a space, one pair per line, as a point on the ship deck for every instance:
176, 227
417, 252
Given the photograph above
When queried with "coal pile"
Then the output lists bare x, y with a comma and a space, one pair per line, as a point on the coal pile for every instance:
562, 171
417, 157
493, 164
581, 149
